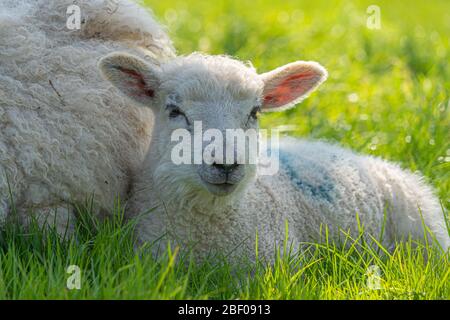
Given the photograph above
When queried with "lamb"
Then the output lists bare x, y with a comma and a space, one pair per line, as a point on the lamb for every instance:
229, 208
65, 134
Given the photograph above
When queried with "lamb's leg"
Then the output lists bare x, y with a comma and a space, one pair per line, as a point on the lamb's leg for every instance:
60, 218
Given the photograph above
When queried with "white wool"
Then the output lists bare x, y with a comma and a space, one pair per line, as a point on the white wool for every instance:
319, 186
65, 134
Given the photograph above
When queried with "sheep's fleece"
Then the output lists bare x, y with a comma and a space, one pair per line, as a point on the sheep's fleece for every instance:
66, 133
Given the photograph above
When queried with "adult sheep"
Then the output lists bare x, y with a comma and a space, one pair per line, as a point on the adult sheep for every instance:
214, 207
65, 134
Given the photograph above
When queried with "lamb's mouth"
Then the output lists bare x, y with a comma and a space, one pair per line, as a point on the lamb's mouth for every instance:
220, 189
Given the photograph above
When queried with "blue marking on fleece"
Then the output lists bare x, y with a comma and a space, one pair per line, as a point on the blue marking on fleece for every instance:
320, 192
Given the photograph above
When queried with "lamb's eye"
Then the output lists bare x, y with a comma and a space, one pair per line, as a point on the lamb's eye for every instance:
255, 112
175, 112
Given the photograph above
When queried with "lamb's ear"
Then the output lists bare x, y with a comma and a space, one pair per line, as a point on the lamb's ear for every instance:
131, 75
288, 85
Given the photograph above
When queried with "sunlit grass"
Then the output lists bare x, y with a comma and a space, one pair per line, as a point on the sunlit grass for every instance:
33, 265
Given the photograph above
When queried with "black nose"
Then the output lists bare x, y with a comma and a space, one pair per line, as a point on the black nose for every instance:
226, 167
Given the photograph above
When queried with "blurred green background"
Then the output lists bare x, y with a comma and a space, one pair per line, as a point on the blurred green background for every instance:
388, 94
388, 88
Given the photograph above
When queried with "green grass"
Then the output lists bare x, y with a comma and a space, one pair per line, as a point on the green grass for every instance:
388, 94
34, 265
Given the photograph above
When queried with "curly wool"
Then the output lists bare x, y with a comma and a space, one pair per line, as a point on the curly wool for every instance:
65, 133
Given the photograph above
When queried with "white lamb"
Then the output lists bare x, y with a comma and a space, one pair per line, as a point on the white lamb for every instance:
65, 133
221, 208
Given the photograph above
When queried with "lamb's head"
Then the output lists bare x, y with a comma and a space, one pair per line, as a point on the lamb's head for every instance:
205, 97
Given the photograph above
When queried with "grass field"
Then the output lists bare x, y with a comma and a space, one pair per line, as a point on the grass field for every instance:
388, 94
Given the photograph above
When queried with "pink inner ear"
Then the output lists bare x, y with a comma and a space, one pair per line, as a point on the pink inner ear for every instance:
289, 89
138, 83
